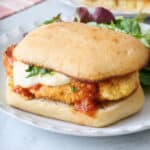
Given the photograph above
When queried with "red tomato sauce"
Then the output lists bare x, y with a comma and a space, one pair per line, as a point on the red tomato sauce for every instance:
36, 87
8, 60
23, 91
88, 102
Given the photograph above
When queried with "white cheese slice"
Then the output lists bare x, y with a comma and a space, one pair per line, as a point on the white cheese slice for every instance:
20, 77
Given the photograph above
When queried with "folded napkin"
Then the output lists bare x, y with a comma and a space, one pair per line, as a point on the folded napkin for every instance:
9, 7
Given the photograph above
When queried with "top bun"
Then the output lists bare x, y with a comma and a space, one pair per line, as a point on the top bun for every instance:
82, 51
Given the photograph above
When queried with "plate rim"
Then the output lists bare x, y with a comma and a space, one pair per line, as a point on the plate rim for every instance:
58, 130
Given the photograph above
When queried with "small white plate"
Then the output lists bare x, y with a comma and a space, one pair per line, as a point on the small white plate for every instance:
136, 123
79, 3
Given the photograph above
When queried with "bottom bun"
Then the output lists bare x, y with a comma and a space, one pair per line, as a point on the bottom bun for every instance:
105, 116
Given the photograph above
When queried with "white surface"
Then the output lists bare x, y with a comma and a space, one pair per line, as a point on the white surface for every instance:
15, 135
138, 122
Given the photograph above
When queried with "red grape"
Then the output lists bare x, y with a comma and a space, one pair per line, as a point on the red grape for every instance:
102, 15
83, 14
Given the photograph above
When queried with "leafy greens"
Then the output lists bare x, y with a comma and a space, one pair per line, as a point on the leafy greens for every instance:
73, 89
129, 26
34, 71
56, 18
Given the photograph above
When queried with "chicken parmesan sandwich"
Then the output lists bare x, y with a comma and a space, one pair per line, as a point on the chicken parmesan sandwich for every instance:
76, 73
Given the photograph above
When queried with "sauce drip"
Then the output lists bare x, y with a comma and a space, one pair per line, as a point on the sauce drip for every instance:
8, 60
23, 91
89, 92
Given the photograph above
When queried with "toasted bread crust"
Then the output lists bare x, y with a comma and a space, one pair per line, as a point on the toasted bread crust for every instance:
81, 51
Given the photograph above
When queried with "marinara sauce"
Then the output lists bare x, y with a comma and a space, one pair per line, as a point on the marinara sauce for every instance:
89, 92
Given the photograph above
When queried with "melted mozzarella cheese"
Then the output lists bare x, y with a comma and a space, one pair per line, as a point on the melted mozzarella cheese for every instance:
20, 77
